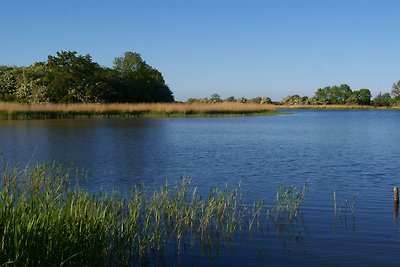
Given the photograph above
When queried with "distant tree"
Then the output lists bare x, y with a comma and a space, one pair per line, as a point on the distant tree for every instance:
260, 100
305, 100
333, 94
352, 99
242, 100
204, 100
266, 100
364, 97
323, 96
215, 98
396, 93
255, 100
230, 99
360, 97
382, 100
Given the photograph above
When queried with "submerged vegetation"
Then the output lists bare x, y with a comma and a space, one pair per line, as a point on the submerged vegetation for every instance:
48, 111
44, 220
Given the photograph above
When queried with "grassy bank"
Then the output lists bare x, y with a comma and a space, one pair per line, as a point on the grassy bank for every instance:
46, 222
60, 111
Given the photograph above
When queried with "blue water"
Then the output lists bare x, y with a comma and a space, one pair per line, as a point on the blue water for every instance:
354, 153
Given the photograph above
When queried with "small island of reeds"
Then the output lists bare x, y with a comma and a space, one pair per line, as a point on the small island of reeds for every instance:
147, 110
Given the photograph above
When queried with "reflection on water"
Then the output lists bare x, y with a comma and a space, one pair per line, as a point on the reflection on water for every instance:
346, 151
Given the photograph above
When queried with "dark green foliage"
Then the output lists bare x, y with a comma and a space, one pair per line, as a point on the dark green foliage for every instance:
74, 79
360, 97
383, 100
396, 93
71, 78
333, 95
139, 82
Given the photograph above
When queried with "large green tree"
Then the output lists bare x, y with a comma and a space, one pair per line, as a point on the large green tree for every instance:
139, 82
333, 94
71, 78
74, 78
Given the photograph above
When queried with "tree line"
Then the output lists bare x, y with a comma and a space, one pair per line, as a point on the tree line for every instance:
71, 78
344, 95
216, 98
329, 95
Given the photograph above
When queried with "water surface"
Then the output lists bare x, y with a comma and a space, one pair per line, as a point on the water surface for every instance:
349, 152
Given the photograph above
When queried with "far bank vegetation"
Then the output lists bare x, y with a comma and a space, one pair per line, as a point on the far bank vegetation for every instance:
329, 97
70, 78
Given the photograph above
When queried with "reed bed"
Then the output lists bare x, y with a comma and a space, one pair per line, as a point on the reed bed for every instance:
45, 221
16, 110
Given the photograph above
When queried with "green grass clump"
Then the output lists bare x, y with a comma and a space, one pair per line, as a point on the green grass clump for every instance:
287, 202
45, 221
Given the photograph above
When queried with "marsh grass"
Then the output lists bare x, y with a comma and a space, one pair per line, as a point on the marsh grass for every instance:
59, 111
45, 221
287, 202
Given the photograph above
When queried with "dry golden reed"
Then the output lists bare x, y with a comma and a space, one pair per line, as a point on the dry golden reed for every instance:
142, 107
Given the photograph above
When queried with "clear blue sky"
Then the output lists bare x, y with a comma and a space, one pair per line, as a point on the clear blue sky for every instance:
232, 47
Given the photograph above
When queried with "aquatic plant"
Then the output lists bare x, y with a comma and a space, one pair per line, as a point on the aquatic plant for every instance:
46, 221
287, 202
342, 209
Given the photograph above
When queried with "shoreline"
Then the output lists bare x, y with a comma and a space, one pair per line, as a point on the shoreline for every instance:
18, 111
335, 107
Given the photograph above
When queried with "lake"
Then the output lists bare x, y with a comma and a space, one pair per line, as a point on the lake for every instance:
352, 153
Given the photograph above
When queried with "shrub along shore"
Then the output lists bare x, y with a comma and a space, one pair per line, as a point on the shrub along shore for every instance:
336, 107
45, 221
95, 110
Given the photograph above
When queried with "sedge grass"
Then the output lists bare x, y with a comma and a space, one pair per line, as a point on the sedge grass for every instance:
287, 202
44, 220
53, 111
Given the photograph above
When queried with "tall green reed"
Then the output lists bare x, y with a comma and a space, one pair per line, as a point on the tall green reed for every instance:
46, 221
